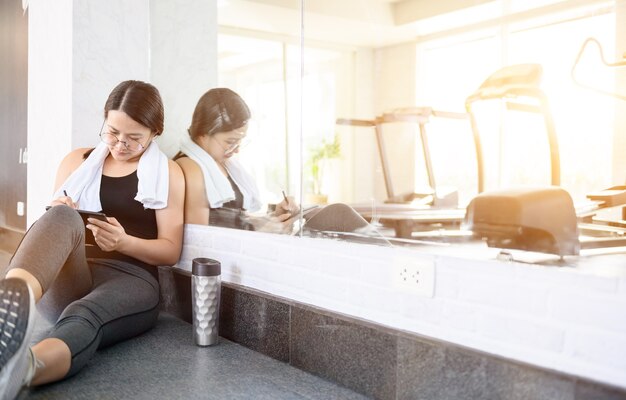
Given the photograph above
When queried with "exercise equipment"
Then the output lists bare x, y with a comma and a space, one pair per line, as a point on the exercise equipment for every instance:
528, 218
518, 87
408, 212
544, 219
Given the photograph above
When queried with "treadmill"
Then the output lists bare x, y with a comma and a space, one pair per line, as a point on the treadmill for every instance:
544, 219
518, 87
408, 213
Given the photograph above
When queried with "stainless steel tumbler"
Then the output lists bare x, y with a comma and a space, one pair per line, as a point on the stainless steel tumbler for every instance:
205, 289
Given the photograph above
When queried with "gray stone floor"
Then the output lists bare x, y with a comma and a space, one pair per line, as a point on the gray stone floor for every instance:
165, 364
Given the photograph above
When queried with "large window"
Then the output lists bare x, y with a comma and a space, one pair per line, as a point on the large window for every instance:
363, 64
263, 73
515, 144
266, 73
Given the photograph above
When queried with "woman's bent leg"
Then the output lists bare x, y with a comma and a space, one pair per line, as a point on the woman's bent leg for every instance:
120, 306
337, 218
53, 253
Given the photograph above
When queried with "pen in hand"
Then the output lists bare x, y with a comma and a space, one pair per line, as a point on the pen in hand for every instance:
287, 210
66, 195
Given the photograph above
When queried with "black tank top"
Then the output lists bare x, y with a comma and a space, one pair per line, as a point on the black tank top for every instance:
117, 196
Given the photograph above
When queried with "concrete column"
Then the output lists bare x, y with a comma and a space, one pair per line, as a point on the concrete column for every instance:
183, 52
78, 51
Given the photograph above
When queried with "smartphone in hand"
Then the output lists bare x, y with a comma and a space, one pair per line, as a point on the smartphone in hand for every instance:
89, 239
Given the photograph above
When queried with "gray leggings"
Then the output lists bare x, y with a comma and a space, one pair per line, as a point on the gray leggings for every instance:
95, 302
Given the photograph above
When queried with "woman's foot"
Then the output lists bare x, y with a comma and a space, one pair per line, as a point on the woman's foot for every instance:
17, 313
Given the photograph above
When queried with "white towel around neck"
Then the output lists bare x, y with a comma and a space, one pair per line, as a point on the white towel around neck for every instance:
218, 188
83, 185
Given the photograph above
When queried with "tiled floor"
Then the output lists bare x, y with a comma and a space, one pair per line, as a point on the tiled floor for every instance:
165, 364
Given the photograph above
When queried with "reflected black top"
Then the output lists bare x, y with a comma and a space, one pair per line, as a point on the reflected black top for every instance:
231, 214
117, 196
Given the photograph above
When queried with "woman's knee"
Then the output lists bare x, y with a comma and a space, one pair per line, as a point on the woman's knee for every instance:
65, 216
337, 217
64, 213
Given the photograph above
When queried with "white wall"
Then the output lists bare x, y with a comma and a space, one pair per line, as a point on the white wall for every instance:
183, 65
50, 34
109, 46
80, 50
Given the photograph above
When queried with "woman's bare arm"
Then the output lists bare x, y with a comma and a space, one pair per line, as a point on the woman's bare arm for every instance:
196, 201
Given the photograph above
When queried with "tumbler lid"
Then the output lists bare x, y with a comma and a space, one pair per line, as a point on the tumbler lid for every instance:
205, 267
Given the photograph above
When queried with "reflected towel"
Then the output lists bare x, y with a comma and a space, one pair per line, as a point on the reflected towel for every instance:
83, 185
217, 187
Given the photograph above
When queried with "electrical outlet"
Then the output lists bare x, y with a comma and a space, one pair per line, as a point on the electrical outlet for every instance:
20, 209
416, 275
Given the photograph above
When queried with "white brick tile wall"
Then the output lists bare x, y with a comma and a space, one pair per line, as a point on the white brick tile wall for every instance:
622, 286
227, 243
262, 249
306, 258
446, 283
329, 288
428, 310
589, 309
569, 319
489, 267
515, 330
567, 275
504, 294
597, 346
287, 254
373, 272
458, 315
373, 298
336, 264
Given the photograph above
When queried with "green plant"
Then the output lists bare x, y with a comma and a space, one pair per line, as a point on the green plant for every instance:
325, 151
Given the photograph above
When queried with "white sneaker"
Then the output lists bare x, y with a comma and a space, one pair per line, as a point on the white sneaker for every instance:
17, 314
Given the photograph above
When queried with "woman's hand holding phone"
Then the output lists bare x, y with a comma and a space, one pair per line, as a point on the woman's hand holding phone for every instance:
109, 235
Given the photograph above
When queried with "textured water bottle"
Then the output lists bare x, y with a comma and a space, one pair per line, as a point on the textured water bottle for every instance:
205, 290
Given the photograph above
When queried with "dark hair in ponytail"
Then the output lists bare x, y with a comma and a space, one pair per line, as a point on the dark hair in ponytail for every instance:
218, 110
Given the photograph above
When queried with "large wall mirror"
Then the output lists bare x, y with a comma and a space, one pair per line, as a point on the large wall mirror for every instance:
379, 104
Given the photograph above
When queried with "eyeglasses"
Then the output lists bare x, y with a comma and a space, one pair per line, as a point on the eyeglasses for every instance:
130, 144
232, 146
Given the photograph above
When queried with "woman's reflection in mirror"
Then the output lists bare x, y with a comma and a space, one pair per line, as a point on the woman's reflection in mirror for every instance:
220, 192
